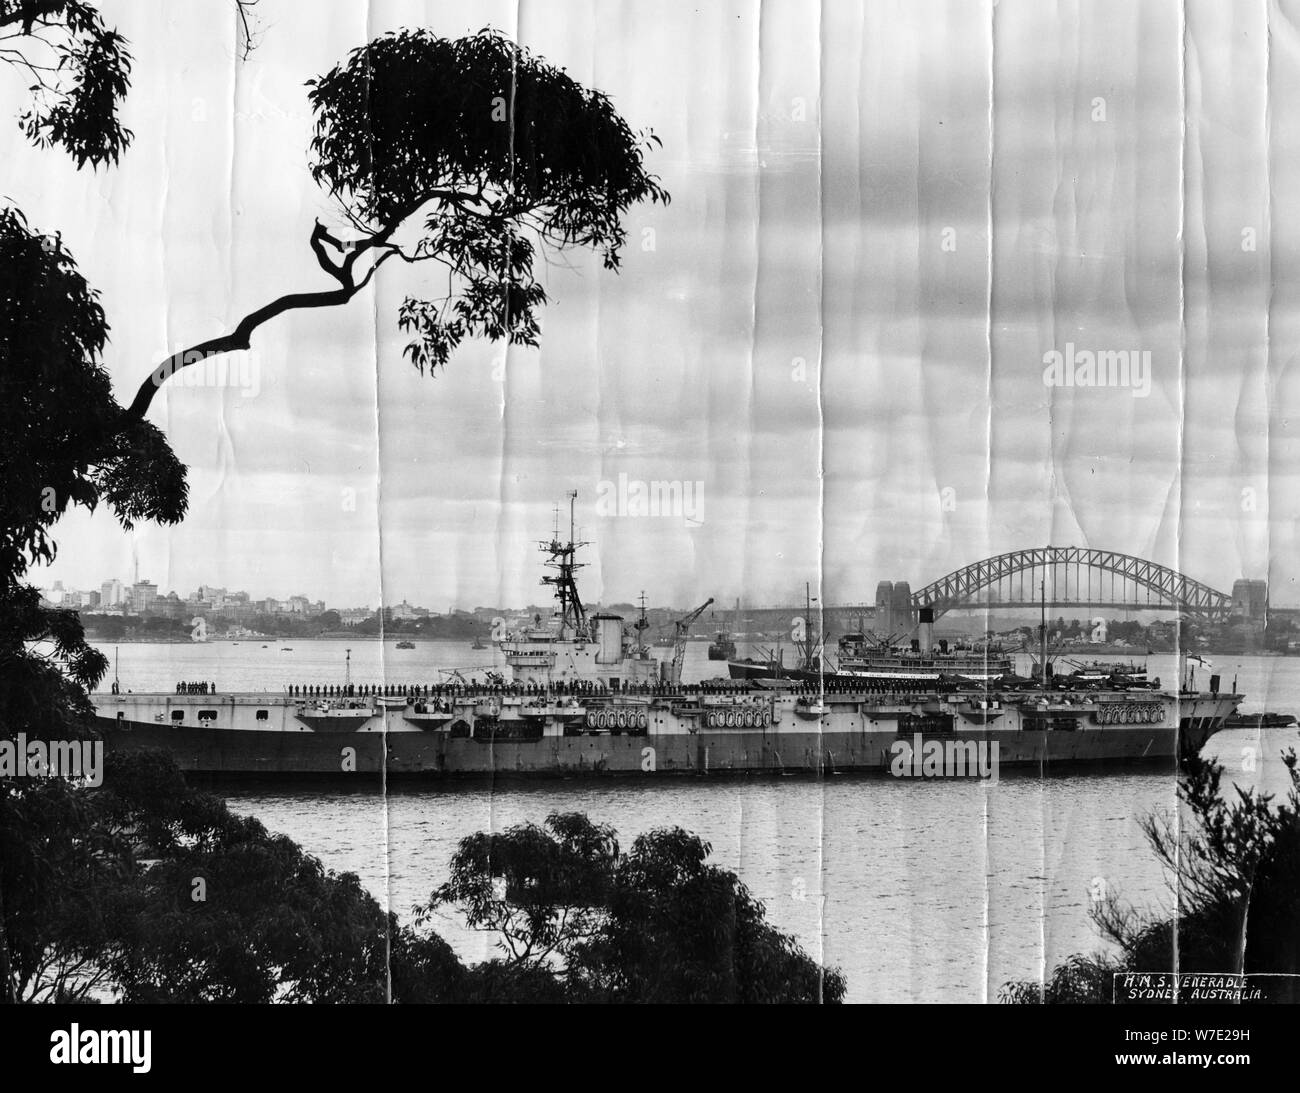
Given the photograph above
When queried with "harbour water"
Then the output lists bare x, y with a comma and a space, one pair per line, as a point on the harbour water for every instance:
918, 890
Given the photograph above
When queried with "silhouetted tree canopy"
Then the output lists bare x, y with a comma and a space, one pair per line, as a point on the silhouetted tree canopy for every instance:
146, 890
101, 898
65, 440
655, 924
538, 888
80, 71
471, 154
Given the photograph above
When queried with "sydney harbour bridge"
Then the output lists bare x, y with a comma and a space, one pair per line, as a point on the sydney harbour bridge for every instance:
1079, 577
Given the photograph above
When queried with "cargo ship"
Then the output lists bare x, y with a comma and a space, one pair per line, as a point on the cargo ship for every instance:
924, 659
808, 666
862, 657
585, 696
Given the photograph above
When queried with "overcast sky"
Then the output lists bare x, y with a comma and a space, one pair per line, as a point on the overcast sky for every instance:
884, 216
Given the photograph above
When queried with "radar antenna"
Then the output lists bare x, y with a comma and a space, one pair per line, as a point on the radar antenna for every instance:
561, 558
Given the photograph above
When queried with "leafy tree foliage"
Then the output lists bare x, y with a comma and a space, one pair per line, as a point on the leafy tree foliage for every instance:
65, 440
81, 71
1234, 860
656, 924
512, 153
148, 891
1079, 980
538, 888
471, 154
153, 892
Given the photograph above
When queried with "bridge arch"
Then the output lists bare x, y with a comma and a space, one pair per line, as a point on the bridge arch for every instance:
1171, 590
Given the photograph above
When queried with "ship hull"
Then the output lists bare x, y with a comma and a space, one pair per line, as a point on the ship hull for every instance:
260, 735
237, 752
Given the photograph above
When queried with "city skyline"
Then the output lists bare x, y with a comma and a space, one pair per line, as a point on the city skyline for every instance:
1250, 595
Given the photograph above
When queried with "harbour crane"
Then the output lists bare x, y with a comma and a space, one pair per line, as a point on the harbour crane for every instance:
680, 629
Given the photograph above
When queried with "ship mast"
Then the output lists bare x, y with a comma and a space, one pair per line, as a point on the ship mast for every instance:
560, 557
640, 626
811, 645
1042, 626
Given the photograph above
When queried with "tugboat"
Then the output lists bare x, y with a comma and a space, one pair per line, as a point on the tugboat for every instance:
723, 647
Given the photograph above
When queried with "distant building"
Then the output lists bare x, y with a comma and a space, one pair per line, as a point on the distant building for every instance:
1250, 600
170, 606
143, 596
405, 610
111, 593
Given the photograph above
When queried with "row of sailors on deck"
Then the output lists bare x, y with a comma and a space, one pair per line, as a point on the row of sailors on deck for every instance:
417, 691
187, 688
574, 687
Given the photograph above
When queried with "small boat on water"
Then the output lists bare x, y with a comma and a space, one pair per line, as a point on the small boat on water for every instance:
477, 644
286, 649
1259, 721
722, 647
1102, 671
406, 645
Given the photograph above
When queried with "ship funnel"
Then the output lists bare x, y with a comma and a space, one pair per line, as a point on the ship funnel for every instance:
927, 630
609, 639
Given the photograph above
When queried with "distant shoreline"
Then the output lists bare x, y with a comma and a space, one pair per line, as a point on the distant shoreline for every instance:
269, 641
375, 638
